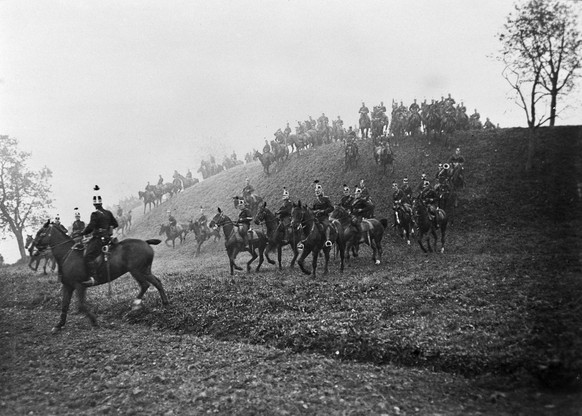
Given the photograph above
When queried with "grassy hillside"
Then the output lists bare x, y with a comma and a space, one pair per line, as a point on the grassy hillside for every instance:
507, 275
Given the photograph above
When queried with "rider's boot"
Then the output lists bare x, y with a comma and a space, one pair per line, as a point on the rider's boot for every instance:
92, 273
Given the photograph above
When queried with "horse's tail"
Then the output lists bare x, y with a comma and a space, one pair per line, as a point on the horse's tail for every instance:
384, 222
153, 241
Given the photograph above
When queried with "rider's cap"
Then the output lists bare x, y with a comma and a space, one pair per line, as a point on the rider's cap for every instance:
358, 190
241, 202
346, 187
57, 218
405, 180
97, 198
426, 183
77, 213
318, 187
458, 149
285, 193
446, 166
394, 183
424, 175
440, 165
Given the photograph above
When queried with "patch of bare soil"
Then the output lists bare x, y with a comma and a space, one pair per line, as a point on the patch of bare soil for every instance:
127, 369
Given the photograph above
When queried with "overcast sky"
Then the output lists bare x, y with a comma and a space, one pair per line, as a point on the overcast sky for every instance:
116, 92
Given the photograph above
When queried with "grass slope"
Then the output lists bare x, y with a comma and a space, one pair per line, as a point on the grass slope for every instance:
496, 302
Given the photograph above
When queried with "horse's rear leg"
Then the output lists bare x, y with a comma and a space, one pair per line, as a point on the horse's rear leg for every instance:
65, 302
144, 284
81, 292
301, 260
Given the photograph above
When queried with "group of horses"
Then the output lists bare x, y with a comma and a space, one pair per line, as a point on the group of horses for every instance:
154, 194
180, 231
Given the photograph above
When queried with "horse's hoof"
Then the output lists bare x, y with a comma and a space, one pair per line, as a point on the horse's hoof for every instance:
377, 261
56, 330
442, 250
408, 242
299, 246
136, 305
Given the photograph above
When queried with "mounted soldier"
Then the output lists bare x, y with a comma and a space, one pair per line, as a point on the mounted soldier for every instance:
347, 199
283, 214
406, 188
101, 226
77, 227
248, 192
57, 223
399, 198
321, 208
244, 221
429, 198
172, 221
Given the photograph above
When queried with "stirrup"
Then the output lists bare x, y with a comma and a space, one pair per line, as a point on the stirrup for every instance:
299, 246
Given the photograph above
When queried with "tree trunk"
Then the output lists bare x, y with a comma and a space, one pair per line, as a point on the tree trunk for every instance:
553, 102
531, 149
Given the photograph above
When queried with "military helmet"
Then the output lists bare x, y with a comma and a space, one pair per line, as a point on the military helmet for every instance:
97, 198
346, 189
77, 213
285, 193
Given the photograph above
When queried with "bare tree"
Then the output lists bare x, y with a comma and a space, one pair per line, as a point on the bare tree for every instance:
541, 44
24, 194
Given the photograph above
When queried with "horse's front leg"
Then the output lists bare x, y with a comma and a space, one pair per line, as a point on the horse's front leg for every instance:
314, 258
420, 237
232, 256
65, 302
300, 262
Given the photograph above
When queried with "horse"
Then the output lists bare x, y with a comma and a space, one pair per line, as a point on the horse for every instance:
297, 142
383, 156
372, 232
403, 220
303, 221
365, 124
202, 235
280, 151
46, 255
149, 198
277, 234
433, 124
338, 131
351, 157
234, 243
426, 226
267, 159
449, 124
177, 231
129, 255
378, 125
413, 124
397, 126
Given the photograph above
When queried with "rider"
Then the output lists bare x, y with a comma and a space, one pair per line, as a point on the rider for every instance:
399, 197
406, 188
189, 174
475, 116
457, 158
365, 193
244, 221
352, 134
488, 124
429, 197
248, 191
171, 220
414, 107
77, 227
119, 211
323, 120
101, 227
266, 147
57, 223
361, 208
363, 110
347, 199
287, 130
420, 186
339, 122
322, 207
202, 221
160, 181
284, 212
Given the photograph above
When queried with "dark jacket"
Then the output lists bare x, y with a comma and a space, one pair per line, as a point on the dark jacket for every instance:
100, 223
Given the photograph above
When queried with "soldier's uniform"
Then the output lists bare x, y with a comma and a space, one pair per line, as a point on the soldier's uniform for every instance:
322, 207
347, 199
244, 220
101, 225
77, 227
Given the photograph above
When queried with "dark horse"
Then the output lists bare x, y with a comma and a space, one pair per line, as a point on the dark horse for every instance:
351, 156
372, 231
202, 234
303, 220
277, 234
149, 198
426, 225
403, 221
383, 156
172, 233
47, 255
234, 243
365, 124
129, 255
266, 159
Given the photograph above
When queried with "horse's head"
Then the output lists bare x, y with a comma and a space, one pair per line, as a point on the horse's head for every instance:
339, 213
162, 229
43, 238
218, 220
261, 213
29, 240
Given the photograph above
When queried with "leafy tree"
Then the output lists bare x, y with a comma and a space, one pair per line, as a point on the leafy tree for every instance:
24, 194
541, 45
